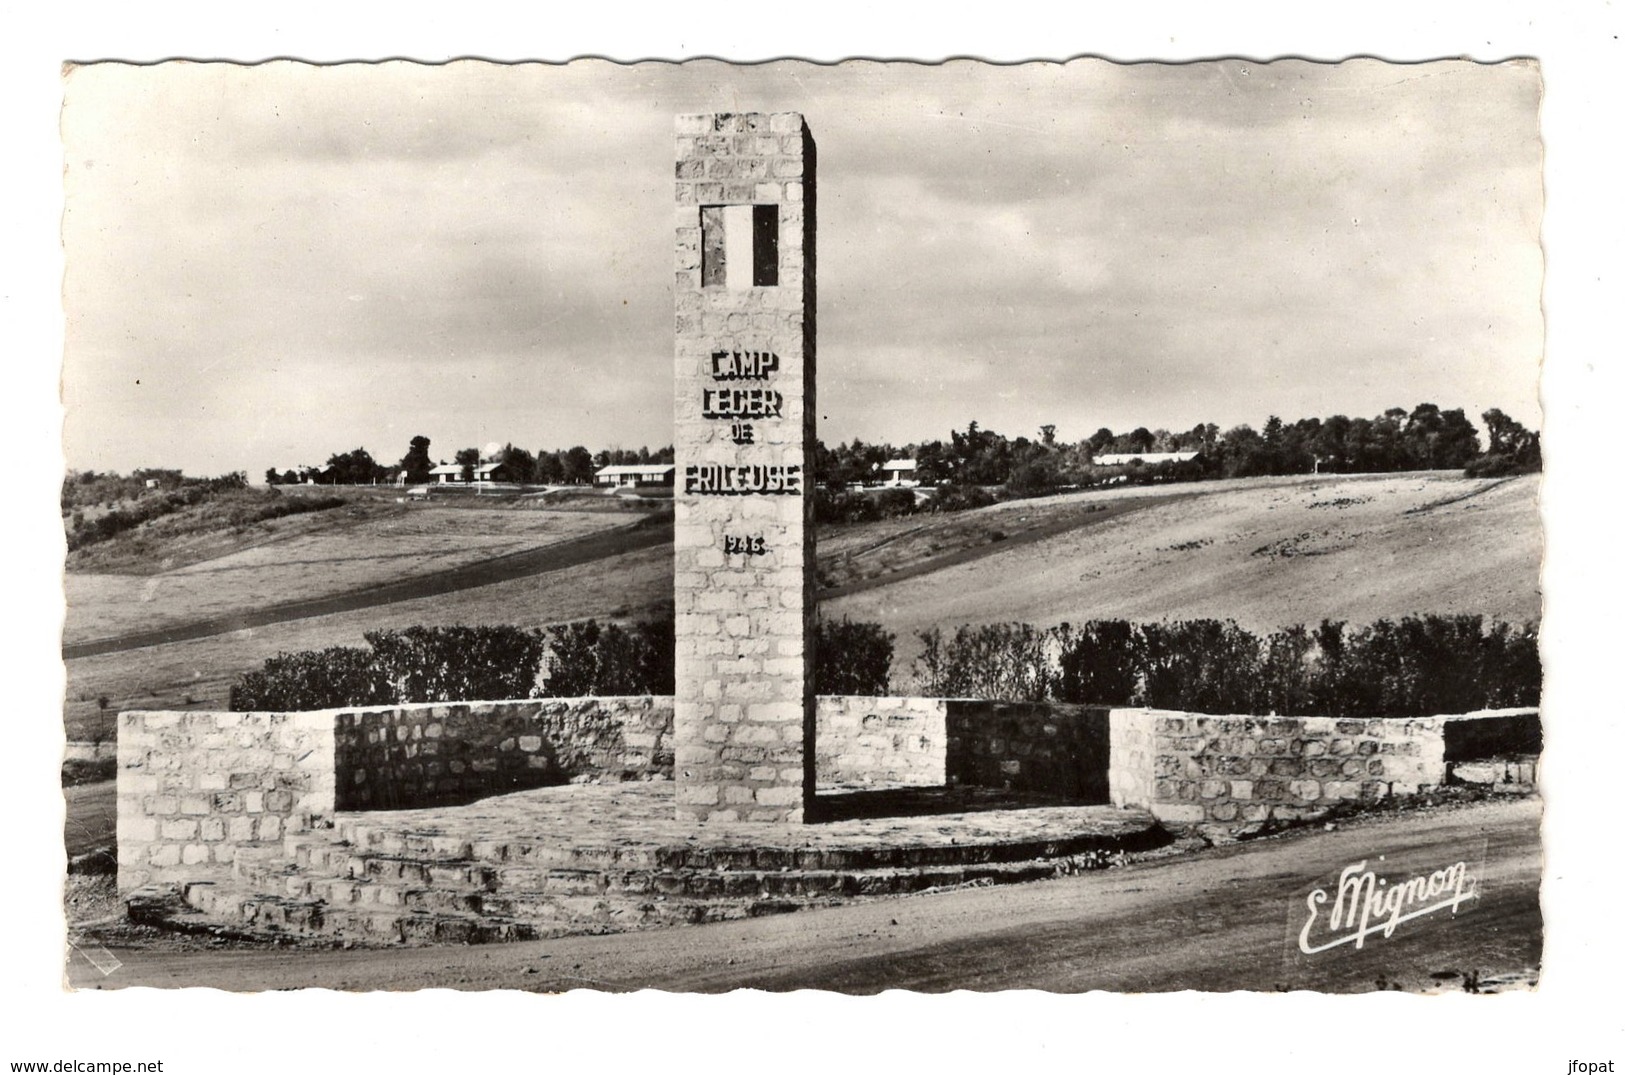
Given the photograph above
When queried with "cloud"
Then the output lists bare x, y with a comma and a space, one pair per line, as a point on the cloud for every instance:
1152, 243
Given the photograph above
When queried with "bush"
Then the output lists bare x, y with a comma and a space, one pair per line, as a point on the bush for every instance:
1499, 465
458, 664
1415, 666
852, 658
605, 659
961, 498
77, 771
1002, 661
1510, 667
1286, 679
312, 679
464, 664
1421, 665
839, 506
1033, 478
1206, 666
894, 503
830, 506
1096, 663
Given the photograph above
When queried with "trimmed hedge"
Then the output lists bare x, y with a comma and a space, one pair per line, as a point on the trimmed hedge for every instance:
1415, 666
462, 664
1005, 661
852, 658
465, 664
592, 659
458, 664
312, 679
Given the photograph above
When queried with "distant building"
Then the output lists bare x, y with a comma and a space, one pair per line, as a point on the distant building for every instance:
495, 472
899, 473
1119, 459
452, 473
621, 475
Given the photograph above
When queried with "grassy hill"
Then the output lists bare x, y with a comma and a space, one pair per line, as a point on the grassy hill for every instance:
1266, 552
364, 545
199, 519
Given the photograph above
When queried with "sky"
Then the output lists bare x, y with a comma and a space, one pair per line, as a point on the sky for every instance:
270, 264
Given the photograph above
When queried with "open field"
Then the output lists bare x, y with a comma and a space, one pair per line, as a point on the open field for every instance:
1265, 552
373, 546
219, 524
198, 674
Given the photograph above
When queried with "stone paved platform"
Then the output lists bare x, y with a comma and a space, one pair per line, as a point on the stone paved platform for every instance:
639, 816
609, 857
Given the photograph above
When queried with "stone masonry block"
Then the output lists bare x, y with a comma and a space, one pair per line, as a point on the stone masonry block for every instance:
742, 594
1307, 790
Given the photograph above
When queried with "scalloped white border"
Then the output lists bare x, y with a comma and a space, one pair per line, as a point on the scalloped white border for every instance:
1572, 1015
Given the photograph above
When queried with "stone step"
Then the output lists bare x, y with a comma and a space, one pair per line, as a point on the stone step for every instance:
436, 902
375, 837
265, 915
389, 880
367, 838
372, 880
739, 884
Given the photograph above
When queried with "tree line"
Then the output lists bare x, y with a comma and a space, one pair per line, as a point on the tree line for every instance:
1424, 438
565, 466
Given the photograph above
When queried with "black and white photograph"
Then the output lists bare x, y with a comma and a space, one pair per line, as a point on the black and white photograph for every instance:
1059, 558
1071, 554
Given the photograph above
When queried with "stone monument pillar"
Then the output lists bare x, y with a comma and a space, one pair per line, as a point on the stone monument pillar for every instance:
745, 437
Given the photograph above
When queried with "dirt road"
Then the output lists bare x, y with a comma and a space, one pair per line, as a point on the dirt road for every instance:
1223, 919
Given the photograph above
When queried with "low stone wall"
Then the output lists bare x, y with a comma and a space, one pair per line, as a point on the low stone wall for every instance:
1491, 734
428, 755
1234, 772
1498, 749
882, 740
193, 787
1036, 748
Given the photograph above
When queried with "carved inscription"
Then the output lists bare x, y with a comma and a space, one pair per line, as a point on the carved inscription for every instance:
721, 479
741, 406
742, 403
743, 365
748, 545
